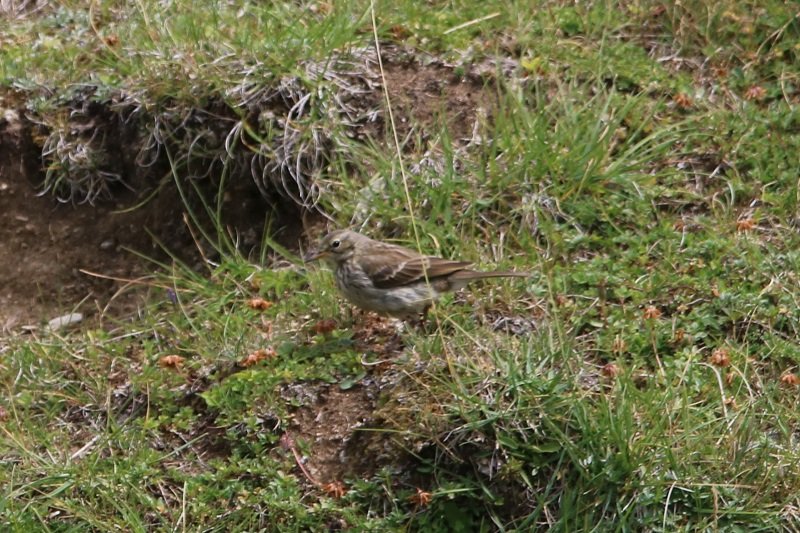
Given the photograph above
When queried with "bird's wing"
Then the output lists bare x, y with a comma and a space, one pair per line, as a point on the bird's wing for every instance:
394, 266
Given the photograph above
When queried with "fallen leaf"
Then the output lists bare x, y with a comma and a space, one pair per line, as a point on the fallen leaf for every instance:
651, 312
610, 370
657, 11
421, 498
335, 489
321, 8
720, 72
286, 441
259, 304
756, 92
324, 326
399, 32
720, 357
683, 101
257, 356
746, 224
171, 361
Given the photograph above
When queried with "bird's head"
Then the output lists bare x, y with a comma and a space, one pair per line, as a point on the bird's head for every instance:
336, 246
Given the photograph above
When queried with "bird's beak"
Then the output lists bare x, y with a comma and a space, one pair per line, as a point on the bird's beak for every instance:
313, 255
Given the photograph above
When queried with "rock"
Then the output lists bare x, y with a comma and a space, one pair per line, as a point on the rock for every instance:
63, 321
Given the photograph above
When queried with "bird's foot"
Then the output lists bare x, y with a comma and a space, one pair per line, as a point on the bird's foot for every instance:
420, 322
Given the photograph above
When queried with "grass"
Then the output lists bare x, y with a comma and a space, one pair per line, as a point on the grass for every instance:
640, 161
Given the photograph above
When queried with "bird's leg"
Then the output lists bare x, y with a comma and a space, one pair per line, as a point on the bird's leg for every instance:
421, 320
424, 317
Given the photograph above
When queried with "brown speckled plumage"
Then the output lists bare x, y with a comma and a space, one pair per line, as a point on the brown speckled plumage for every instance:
391, 279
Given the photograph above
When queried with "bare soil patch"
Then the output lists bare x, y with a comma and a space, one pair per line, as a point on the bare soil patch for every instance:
45, 244
341, 427
47, 247
434, 95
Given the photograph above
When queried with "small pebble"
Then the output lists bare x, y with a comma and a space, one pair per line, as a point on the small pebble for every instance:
63, 321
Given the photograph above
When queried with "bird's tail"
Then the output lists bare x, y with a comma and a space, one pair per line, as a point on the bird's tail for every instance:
469, 275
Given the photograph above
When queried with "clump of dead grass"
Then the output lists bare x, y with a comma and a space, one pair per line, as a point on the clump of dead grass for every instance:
279, 132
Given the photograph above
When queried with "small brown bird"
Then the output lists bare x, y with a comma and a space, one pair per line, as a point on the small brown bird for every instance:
391, 279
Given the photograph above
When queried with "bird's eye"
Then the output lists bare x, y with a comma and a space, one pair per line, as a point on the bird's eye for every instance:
335, 244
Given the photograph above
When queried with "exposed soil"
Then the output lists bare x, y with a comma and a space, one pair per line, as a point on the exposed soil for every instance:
340, 426
329, 425
46, 244
59, 258
51, 250
433, 95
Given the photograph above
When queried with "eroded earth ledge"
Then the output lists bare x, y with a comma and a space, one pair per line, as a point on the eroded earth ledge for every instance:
72, 242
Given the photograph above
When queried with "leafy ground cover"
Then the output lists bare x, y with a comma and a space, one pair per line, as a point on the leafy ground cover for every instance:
640, 159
